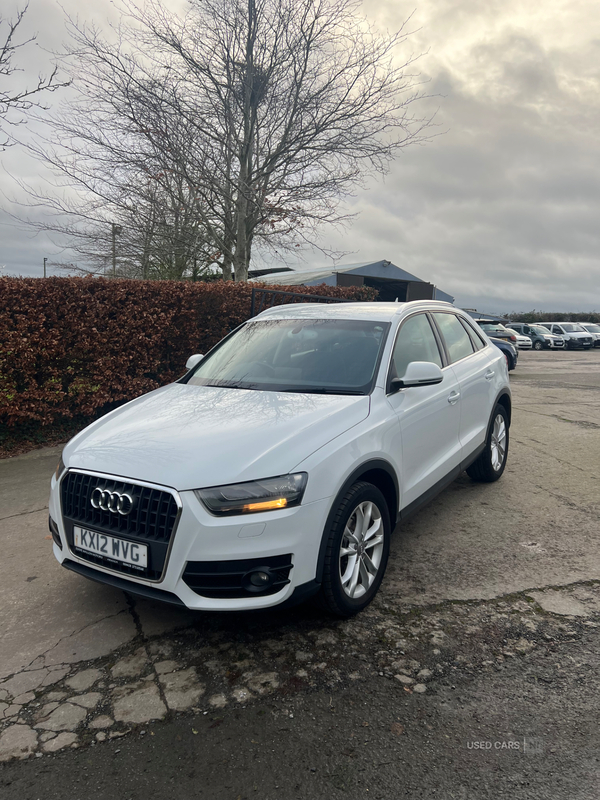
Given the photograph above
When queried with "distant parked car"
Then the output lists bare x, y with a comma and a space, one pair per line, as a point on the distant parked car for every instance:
574, 335
594, 329
496, 330
523, 342
539, 335
511, 354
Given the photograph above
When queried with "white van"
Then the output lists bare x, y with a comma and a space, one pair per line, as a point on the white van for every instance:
572, 332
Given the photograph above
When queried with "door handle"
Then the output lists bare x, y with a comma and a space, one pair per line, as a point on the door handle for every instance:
489, 374
453, 397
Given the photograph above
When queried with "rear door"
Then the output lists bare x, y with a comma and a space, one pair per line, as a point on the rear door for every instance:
477, 371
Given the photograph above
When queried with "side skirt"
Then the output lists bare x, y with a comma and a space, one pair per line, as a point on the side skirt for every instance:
442, 484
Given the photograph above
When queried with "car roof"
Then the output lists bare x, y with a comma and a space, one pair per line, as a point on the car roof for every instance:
378, 312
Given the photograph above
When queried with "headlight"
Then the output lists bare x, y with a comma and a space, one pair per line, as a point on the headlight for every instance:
253, 496
60, 468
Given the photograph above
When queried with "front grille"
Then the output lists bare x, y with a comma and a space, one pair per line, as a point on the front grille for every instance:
151, 520
152, 516
224, 579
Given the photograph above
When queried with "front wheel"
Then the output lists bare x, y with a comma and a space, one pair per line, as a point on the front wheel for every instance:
358, 545
490, 464
538, 346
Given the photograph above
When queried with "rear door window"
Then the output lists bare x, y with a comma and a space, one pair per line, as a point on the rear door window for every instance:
457, 340
476, 339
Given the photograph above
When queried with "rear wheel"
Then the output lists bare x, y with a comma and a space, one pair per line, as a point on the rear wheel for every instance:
490, 464
358, 545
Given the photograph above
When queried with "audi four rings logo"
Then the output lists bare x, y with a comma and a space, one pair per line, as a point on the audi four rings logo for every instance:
112, 501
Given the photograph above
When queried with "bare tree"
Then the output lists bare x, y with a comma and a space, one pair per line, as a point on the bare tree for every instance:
13, 99
267, 112
126, 206
296, 101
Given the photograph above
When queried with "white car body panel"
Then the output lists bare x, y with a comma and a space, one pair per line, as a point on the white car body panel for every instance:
428, 434
189, 437
478, 377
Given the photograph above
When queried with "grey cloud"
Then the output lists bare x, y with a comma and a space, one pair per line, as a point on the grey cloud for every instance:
503, 209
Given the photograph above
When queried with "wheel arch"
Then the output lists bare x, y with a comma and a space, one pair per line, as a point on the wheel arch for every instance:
382, 475
504, 400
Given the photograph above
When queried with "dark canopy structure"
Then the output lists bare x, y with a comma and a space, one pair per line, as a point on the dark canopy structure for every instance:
392, 282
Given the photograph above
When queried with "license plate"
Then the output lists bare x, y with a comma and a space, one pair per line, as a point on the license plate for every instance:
111, 548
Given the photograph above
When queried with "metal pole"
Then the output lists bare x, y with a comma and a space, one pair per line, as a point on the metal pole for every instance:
117, 230
45, 267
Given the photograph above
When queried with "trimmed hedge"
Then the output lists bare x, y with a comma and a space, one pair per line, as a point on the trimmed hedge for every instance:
555, 316
74, 348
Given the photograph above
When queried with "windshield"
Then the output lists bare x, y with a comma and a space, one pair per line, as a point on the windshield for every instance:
571, 327
492, 326
592, 328
540, 329
326, 356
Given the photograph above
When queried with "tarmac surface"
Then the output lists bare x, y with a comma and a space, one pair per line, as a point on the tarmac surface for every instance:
474, 674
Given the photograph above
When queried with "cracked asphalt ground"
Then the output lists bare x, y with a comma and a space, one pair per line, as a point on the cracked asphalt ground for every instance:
473, 675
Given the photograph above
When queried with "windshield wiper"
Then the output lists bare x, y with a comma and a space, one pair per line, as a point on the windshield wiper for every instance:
322, 390
232, 385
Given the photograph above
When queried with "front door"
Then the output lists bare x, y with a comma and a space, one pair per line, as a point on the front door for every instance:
428, 416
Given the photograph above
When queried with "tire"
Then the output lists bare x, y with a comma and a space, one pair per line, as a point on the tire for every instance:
489, 466
538, 346
351, 581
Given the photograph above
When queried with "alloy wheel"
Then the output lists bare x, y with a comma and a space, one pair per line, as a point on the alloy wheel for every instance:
498, 443
361, 550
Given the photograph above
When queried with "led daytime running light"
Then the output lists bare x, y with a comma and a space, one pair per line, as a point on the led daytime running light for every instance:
281, 502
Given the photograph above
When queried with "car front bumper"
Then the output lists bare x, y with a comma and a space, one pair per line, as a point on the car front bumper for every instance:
211, 555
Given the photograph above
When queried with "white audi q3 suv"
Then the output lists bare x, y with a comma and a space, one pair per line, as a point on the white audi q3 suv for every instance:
277, 467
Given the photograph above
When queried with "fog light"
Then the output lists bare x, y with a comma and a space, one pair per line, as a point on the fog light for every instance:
258, 580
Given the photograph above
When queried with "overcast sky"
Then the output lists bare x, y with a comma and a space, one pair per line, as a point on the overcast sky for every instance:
502, 210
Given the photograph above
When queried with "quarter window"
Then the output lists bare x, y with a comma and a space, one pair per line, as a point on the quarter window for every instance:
458, 342
476, 340
415, 342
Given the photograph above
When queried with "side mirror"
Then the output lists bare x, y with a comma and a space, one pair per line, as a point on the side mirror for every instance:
193, 360
418, 373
